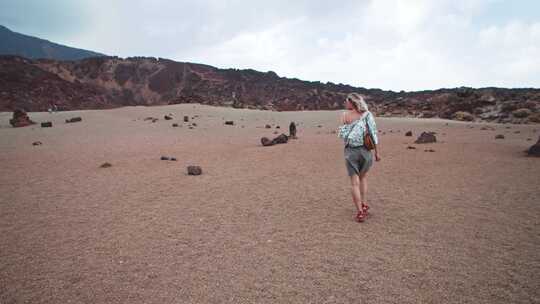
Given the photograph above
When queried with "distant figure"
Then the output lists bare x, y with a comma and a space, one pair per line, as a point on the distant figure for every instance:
356, 121
292, 130
55, 108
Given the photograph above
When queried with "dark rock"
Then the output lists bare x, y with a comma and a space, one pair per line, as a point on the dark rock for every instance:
167, 117
20, 119
534, 150
499, 136
105, 165
408, 133
426, 137
229, 122
193, 124
268, 126
429, 150
277, 127
154, 119
37, 143
186, 118
281, 139
165, 158
292, 130
266, 142
74, 119
173, 159
47, 124
148, 118
411, 147
194, 170
175, 125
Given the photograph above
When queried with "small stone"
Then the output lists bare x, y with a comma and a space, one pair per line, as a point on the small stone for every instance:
105, 165
194, 170
426, 137
186, 118
499, 136
277, 127
408, 133
268, 126
37, 143
266, 142
74, 119
173, 159
167, 117
164, 158
175, 125
429, 150
47, 124
411, 147
229, 122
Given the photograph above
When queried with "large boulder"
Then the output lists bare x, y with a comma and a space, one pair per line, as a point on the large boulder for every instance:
426, 138
20, 119
534, 150
463, 116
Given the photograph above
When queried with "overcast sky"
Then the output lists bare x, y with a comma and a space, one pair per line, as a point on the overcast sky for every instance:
398, 45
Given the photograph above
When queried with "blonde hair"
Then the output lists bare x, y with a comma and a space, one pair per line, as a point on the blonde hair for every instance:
358, 102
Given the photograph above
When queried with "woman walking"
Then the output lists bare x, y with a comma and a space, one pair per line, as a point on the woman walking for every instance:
357, 125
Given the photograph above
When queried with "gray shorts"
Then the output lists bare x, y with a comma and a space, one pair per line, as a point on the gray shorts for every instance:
358, 160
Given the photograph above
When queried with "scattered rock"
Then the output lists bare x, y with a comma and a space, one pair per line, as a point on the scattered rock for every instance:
429, 150
281, 139
186, 118
409, 133
167, 117
149, 118
517, 132
529, 139
194, 170
20, 119
277, 127
411, 147
521, 113
37, 143
173, 159
266, 142
534, 150
426, 137
74, 119
165, 158
229, 122
463, 116
105, 165
47, 124
292, 130
193, 124
499, 136
268, 126
175, 125
487, 128
319, 126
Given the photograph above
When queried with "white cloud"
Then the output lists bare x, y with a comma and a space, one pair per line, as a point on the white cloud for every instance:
389, 44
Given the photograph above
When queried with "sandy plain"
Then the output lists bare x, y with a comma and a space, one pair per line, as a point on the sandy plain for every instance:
263, 224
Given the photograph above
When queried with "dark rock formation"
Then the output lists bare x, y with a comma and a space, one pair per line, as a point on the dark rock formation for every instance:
194, 170
425, 138
20, 119
105, 82
534, 150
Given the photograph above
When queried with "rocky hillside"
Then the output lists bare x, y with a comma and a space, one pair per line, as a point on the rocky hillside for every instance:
31, 47
105, 82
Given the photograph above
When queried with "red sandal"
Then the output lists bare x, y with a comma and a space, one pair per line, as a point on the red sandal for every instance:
361, 216
365, 208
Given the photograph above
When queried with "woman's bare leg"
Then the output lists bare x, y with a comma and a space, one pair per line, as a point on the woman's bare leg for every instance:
362, 187
355, 192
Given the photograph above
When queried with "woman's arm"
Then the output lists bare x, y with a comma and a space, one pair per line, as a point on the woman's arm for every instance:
373, 131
